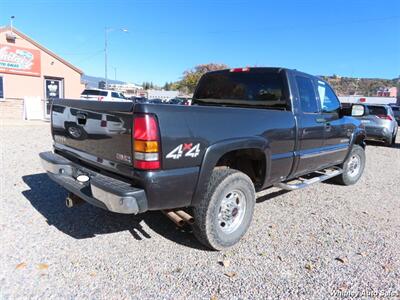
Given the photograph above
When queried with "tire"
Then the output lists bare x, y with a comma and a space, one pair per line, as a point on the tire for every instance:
389, 142
393, 140
75, 132
353, 167
225, 210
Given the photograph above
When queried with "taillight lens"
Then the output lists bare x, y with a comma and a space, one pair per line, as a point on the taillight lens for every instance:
103, 123
147, 165
145, 128
385, 117
146, 143
235, 70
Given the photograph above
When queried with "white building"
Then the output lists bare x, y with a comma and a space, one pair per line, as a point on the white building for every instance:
121, 87
128, 89
161, 94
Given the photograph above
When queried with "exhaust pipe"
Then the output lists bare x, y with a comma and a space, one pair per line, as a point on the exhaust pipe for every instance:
185, 216
174, 217
73, 200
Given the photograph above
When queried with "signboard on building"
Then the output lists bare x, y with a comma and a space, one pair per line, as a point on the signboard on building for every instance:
21, 61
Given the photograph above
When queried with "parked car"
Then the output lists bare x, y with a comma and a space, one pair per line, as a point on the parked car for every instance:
247, 129
179, 101
102, 95
396, 112
155, 101
380, 123
139, 99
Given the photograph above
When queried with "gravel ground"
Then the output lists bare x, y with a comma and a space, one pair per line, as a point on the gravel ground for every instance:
326, 241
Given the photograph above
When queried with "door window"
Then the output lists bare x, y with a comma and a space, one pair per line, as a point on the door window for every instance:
1, 88
329, 101
308, 100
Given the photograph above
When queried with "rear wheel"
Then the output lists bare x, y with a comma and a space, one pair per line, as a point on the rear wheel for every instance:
225, 210
353, 167
393, 140
76, 132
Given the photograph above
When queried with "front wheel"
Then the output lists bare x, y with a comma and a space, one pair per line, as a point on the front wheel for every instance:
225, 211
353, 167
391, 142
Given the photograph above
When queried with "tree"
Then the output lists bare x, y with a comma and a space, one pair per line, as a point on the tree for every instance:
192, 76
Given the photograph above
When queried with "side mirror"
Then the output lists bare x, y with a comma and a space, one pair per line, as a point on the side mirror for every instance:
357, 110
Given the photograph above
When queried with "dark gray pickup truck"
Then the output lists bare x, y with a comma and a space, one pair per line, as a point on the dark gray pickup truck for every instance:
247, 129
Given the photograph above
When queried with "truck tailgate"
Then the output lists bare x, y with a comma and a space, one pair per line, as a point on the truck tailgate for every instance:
95, 132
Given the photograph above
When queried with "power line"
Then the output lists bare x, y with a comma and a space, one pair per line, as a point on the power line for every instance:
93, 55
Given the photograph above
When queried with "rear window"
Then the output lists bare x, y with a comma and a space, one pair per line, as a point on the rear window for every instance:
253, 88
396, 110
58, 108
113, 119
94, 93
377, 110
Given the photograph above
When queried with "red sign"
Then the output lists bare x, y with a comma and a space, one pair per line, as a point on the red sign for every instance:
17, 60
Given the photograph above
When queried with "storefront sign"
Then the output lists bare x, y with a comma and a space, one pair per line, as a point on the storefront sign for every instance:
22, 61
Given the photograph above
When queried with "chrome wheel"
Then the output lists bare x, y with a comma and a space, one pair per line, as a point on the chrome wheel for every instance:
75, 132
354, 165
231, 211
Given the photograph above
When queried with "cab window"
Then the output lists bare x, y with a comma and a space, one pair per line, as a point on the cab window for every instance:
308, 100
328, 99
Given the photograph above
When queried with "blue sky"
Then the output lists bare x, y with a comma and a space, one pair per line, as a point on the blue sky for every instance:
358, 38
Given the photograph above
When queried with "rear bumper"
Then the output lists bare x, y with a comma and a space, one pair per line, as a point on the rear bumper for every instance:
102, 191
378, 134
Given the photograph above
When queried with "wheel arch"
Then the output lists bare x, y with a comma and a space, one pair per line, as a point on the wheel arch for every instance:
357, 138
215, 154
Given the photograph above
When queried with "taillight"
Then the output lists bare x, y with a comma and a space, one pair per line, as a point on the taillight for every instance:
234, 70
100, 98
103, 123
385, 117
146, 143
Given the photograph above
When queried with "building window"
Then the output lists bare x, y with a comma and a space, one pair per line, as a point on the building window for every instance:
1, 88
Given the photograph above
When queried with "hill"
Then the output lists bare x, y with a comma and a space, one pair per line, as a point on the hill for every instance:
345, 86
93, 81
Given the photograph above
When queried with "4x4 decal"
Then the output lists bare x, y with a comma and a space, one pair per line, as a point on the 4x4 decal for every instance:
186, 150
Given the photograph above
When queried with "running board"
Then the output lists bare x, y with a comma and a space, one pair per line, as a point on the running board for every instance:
307, 182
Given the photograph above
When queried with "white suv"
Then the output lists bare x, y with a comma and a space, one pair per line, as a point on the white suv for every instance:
102, 95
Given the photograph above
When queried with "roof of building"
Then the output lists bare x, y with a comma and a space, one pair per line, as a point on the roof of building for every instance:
25, 37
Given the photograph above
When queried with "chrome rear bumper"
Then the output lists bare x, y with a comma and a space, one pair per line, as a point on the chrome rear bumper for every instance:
102, 191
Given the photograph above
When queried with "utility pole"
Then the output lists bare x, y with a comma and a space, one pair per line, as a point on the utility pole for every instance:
105, 55
11, 23
106, 31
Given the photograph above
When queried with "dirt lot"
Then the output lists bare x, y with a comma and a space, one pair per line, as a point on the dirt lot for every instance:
326, 241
